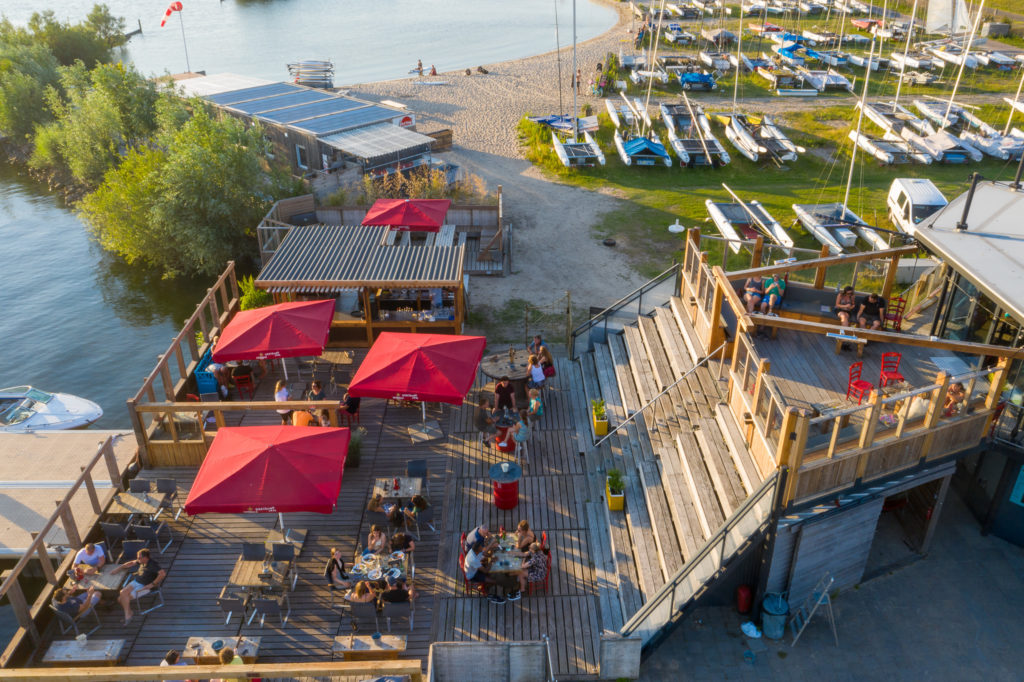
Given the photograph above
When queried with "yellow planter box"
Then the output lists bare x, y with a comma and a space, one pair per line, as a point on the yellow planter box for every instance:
600, 426
615, 502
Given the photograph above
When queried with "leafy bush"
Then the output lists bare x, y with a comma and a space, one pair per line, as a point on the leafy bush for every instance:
597, 404
251, 296
422, 183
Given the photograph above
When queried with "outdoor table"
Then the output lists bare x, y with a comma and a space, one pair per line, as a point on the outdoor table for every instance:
505, 477
518, 371
107, 580
201, 652
71, 653
407, 488
128, 504
384, 562
337, 357
502, 424
366, 648
249, 574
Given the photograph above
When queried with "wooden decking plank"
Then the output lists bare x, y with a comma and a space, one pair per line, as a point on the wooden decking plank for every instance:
667, 542
661, 370
722, 471
645, 383
689, 335
742, 459
624, 374
705, 501
672, 339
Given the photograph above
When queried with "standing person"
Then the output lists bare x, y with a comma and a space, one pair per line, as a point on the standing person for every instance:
283, 395
871, 312
419, 67
579, 77
484, 417
504, 394
846, 302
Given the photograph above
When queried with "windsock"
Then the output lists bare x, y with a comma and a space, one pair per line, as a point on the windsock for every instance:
173, 7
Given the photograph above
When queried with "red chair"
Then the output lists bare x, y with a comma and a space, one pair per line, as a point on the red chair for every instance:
244, 383
544, 542
890, 369
894, 314
857, 387
468, 586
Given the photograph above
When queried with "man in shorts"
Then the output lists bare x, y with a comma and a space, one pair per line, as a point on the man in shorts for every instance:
871, 314
147, 575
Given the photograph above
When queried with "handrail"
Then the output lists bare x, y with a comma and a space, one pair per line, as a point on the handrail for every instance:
770, 486
655, 398
622, 302
551, 666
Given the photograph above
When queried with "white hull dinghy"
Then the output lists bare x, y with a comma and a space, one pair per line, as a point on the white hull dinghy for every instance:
642, 151
577, 154
619, 113
889, 151
689, 134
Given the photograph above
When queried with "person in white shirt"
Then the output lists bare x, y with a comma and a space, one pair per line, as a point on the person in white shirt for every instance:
281, 395
90, 559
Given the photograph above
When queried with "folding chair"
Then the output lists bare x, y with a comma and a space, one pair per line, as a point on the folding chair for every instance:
244, 385
230, 600
361, 613
152, 592
254, 551
138, 485
285, 551
152, 534
271, 606
398, 610
417, 468
168, 486
130, 550
70, 623
114, 532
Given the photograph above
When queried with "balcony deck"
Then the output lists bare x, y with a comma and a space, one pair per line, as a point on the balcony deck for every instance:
552, 496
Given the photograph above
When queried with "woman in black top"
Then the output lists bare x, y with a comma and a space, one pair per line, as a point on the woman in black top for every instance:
335, 572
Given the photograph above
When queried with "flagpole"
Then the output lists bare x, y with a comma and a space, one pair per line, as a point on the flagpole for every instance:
188, 67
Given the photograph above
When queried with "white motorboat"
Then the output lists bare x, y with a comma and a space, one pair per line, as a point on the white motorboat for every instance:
25, 409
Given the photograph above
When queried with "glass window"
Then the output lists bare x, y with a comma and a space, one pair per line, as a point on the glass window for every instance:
301, 158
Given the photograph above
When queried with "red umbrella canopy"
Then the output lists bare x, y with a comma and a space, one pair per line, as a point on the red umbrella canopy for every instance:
426, 367
270, 469
424, 215
285, 330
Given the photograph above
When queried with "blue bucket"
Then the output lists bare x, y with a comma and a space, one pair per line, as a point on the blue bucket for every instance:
774, 610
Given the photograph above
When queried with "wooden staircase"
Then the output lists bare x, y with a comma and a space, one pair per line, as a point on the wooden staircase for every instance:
684, 461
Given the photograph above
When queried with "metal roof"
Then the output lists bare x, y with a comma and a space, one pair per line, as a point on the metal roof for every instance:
355, 255
205, 86
288, 99
258, 92
990, 252
375, 141
336, 123
325, 107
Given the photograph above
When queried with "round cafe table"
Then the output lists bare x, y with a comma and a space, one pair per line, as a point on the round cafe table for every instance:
506, 484
497, 365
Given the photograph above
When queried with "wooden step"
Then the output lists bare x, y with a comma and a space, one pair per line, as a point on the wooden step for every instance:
669, 552
709, 513
728, 487
645, 383
744, 461
660, 368
624, 374
680, 503
672, 341
689, 334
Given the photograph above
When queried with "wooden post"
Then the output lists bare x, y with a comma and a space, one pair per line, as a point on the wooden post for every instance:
182, 372
890, 276
193, 347
787, 429
755, 258
218, 416
140, 435
70, 527
819, 273
90, 488
762, 371
995, 390
931, 418
368, 316
45, 563
21, 611
716, 334
867, 433
940, 500
796, 455
460, 307
165, 377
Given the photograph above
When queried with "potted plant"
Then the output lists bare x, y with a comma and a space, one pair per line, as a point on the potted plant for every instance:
355, 447
599, 416
614, 489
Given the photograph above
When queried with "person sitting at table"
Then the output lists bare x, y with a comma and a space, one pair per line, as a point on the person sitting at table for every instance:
336, 569
871, 312
304, 418
75, 605
396, 517
954, 398
504, 394
545, 358
482, 535
90, 559
473, 566
535, 567
520, 431
484, 418
536, 408
402, 542
417, 504
281, 395
377, 540
537, 376
536, 345
316, 391
362, 593
524, 536
147, 576
350, 403
377, 505
398, 591
227, 656
173, 659
242, 369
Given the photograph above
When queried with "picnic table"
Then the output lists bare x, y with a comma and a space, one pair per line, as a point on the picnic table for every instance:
201, 651
407, 487
107, 580
257, 574
366, 648
73, 653
506, 556
366, 564
145, 504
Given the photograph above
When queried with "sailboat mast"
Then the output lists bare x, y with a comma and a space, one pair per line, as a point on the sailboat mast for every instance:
963, 62
1016, 98
739, 56
576, 78
860, 118
654, 57
558, 53
906, 51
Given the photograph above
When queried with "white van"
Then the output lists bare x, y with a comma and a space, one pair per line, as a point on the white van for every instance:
911, 200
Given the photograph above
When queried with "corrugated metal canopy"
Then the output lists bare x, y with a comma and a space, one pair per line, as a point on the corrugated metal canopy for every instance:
208, 86
336, 123
990, 252
258, 92
353, 256
288, 99
333, 105
382, 139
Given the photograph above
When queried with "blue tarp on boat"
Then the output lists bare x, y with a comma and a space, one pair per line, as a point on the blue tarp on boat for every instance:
641, 146
564, 123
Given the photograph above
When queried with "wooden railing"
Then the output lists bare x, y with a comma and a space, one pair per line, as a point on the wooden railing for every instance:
169, 380
756, 404
11, 587
305, 670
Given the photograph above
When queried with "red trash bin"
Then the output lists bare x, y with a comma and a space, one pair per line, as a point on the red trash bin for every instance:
506, 484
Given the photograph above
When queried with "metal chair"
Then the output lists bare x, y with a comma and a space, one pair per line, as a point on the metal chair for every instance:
114, 532
361, 613
417, 468
399, 609
425, 517
271, 606
152, 534
285, 551
254, 551
152, 592
69, 623
130, 550
138, 485
168, 486
230, 600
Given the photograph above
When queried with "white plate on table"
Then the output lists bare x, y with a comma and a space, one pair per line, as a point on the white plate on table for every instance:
398, 556
375, 574
358, 568
395, 573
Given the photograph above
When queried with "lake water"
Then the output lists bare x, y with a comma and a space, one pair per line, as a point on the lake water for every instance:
77, 320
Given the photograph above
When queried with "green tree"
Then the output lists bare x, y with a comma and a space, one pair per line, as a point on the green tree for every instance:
69, 42
25, 73
106, 26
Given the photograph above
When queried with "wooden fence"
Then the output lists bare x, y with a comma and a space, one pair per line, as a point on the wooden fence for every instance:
267, 671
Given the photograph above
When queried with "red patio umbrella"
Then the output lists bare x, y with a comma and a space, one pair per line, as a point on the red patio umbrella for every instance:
285, 330
422, 215
270, 469
424, 367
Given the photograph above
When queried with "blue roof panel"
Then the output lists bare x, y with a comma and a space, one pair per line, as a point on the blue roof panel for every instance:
335, 123
291, 99
235, 96
334, 105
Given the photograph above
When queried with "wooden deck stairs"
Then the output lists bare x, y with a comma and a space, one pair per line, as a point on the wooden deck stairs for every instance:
685, 463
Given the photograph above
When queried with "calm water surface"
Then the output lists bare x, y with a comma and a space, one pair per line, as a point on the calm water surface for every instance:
77, 320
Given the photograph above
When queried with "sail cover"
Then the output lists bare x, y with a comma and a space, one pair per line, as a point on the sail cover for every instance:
947, 16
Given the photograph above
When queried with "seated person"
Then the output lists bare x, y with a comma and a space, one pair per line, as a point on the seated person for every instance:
473, 565
520, 431
90, 559
398, 591
504, 394
75, 605
417, 504
227, 656
377, 540
316, 391
242, 369
774, 289
536, 371
753, 292
536, 409
535, 567
336, 569
362, 593
846, 303
536, 345
545, 359
376, 504
396, 517
871, 314
172, 658
350, 403
484, 417
524, 536
304, 418
402, 542
482, 535
955, 396
147, 575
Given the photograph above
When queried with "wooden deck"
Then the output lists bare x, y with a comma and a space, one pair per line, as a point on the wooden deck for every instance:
806, 370
553, 496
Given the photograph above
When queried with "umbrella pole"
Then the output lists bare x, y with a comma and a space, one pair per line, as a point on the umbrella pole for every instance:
423, 405
284, 368
284, 531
